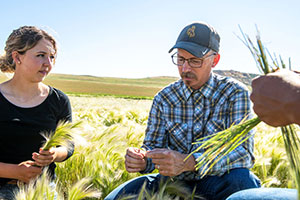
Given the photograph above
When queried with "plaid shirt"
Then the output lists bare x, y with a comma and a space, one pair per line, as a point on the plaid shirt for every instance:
180, 115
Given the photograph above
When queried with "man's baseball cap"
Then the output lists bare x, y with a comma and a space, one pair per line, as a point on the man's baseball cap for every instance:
198, 39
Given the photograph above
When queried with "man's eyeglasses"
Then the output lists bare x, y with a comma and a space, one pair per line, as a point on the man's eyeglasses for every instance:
193, 62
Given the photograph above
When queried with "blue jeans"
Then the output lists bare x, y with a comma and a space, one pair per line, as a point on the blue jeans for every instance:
210, 187
265, 194
7, 191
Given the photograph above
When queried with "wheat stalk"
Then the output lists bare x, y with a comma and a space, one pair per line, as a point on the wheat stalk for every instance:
39, 188
43, 188
62, 135
83, 190
292, 147
222, 143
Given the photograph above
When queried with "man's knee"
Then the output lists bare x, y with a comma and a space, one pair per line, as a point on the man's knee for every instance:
242, 178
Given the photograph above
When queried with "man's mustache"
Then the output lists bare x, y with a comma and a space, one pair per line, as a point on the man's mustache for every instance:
188, 75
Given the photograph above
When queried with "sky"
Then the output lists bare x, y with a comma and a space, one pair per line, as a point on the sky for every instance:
131, 39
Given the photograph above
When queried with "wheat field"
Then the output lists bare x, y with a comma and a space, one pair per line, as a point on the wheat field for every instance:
109, 126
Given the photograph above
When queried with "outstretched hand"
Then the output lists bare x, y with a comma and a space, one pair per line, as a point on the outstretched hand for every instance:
276, 98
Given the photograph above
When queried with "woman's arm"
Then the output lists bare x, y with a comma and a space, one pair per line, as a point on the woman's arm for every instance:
24, 171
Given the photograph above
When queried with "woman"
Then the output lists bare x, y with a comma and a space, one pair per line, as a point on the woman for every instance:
29, 108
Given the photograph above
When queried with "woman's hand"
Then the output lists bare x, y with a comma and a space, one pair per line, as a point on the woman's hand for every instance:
27, 171
44, 158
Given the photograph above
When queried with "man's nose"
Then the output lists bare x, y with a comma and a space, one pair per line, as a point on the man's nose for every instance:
186, 67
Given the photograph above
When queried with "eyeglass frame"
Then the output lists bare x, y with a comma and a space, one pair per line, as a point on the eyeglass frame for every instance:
188, 60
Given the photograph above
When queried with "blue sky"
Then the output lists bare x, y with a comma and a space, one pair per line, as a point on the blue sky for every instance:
118, 38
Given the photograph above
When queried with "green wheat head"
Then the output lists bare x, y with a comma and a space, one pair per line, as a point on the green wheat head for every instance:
43, 188
39, 188
83, 189
62, 136
222, 143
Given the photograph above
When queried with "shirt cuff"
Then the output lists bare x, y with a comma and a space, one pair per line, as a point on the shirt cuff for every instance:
149, 167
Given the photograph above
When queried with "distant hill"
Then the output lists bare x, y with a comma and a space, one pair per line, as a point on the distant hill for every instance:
122, 87
240, 76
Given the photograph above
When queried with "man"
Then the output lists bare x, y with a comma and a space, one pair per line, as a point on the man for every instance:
199, 104
276, 101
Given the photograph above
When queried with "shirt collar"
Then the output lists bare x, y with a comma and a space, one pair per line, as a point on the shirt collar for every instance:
187, 91
206, 90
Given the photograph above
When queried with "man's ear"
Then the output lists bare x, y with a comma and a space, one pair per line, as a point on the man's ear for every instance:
216, 60
16, 57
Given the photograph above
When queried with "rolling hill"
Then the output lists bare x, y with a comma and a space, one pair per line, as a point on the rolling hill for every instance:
121, 87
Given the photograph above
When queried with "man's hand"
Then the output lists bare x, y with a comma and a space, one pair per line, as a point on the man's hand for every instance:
27, 171
171, 163
135, 160
276, 98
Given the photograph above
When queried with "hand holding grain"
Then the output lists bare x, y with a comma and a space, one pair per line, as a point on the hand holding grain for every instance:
169, 162
135, 160
27, 171
276, 98
44, 158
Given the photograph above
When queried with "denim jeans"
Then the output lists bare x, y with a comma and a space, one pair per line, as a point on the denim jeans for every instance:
7, 191
265, 194
210, 187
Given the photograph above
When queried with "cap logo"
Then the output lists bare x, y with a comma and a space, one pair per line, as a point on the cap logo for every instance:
191, 32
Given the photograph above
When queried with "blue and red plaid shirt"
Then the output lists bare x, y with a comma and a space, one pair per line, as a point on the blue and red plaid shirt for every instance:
180, 115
